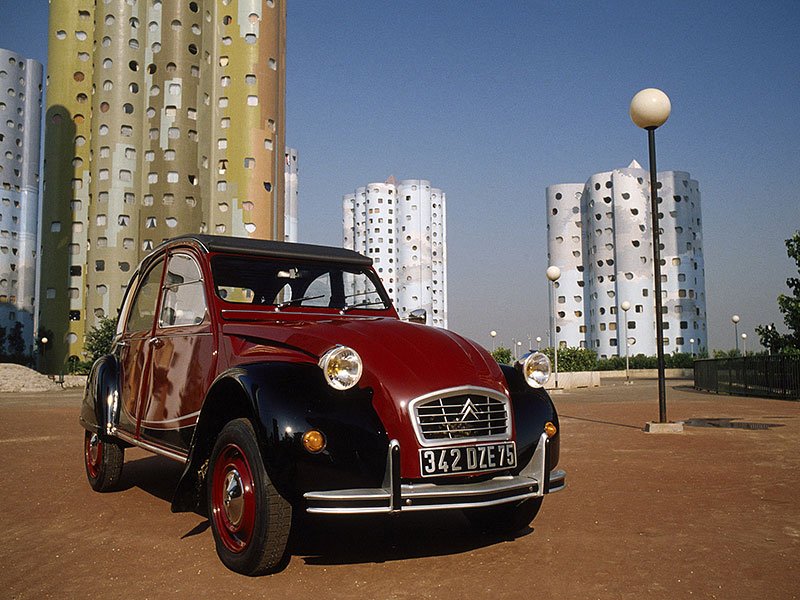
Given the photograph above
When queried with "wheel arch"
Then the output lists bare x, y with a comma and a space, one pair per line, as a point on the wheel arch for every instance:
101, 398
533, 407
227, 399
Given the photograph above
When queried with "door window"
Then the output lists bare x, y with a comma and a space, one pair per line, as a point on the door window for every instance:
143, 308
184, 301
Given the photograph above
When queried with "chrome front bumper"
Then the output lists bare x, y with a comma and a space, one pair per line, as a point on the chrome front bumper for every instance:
394, 496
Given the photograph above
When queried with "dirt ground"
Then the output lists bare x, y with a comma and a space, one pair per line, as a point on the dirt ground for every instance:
710, 513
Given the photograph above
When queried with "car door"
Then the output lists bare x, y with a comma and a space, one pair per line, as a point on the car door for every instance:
182, 355
133, 346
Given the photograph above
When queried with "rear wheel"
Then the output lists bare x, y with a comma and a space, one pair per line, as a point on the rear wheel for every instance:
505, 518
103, 461
249, 519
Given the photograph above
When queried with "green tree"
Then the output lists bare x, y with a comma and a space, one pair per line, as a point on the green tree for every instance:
16, 343
99, 338
789, 305
573, 359
502, 355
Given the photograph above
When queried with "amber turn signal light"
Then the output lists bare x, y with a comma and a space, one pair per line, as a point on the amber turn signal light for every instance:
550, 429
314, 441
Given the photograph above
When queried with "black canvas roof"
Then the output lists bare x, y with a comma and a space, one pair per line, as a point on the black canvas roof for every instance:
223, 243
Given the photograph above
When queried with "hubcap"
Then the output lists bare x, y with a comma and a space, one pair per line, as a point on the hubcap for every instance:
94, 449
94, 454
233, 502
233, 497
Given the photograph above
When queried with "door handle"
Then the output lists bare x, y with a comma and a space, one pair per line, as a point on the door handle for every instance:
156, 342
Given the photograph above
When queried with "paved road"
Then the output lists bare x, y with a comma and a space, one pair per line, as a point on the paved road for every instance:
711, 513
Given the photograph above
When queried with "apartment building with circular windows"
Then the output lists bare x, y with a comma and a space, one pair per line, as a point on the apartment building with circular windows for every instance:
401, 226
20, 117
599, 234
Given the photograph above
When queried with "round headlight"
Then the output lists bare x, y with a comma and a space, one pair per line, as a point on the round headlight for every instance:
342, 367
536, 369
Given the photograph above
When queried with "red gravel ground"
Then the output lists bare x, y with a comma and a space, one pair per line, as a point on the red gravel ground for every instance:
710, 513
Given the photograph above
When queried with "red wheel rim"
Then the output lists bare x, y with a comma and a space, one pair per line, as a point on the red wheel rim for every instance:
93, 452
233, 501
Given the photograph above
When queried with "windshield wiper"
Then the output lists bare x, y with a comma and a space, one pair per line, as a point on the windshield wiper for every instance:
362, 303
294, 300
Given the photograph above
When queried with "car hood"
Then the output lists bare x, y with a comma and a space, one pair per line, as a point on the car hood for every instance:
402, 361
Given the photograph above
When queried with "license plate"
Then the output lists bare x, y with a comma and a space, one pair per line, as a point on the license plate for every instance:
467, 459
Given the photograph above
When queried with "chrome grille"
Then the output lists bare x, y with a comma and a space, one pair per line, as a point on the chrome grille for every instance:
461, 416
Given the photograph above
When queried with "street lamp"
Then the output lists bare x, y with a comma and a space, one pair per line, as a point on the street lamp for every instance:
518, 351
649, 110
626, 306
691, 341
493, 334
744, 342
44, 341
553, 273
736, 319
538, 343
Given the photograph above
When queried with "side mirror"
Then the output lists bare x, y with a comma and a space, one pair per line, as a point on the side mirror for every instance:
418, 315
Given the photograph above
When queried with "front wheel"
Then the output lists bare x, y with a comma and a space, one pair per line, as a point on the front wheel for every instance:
103, 461
249, 518
504, 518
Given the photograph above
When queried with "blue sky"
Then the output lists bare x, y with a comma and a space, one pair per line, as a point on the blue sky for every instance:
493, 102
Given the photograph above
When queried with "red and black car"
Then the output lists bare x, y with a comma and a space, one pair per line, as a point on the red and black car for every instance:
282, 377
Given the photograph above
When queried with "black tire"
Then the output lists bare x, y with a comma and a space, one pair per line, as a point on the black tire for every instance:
249, 518
504, 518
103, 460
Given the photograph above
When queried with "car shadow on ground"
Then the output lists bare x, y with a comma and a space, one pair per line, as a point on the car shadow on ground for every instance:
322, 541
156, 475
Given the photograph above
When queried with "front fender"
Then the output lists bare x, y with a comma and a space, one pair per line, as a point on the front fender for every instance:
283, 401
100, 407
532, 408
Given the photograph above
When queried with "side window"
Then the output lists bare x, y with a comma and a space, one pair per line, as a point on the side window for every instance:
184, 301
143, 308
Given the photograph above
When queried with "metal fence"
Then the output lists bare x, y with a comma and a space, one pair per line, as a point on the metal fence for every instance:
765, 376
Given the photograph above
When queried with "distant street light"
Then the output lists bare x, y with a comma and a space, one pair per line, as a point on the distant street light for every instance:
538, 343
691, 341
649, 110
518, 350
736, 319
553, 273
744, 342
44, 341
493, 335
626, 306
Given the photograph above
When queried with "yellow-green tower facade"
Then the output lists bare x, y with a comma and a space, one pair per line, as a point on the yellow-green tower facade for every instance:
164, 117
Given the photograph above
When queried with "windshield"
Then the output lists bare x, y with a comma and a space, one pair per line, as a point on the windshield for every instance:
283, 283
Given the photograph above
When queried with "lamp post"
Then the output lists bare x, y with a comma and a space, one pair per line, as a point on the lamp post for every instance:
493, 334
514, 347
691, 341
735, 319
44, 341
626, 306
553, 273
649, 110
519, 349
538, 343
744, 343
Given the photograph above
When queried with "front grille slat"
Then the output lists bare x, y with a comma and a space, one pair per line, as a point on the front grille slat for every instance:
461, 416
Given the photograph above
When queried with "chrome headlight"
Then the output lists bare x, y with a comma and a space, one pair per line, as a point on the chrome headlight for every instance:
536, 369
342, 367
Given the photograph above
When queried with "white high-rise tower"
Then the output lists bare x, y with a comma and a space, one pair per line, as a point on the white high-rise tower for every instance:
599, 235
401, 227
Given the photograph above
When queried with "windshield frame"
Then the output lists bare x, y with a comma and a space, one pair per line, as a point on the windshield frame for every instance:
245, 265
